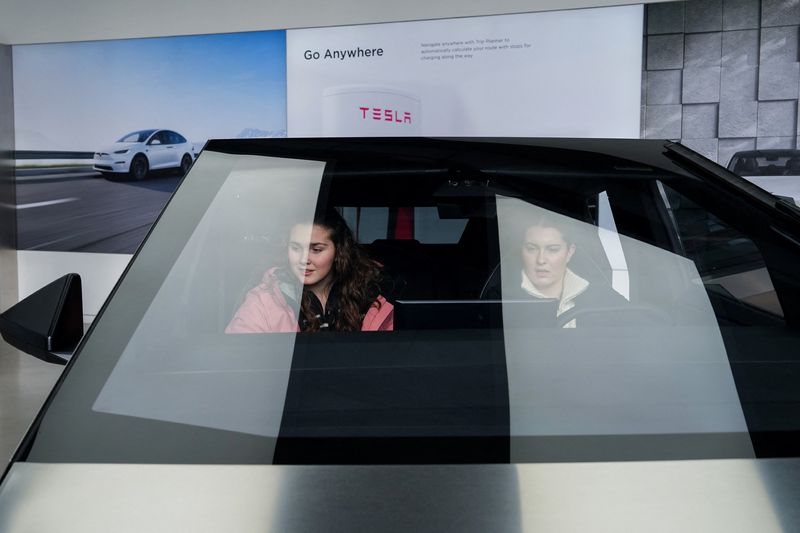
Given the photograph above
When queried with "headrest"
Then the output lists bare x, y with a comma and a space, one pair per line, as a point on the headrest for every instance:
745, 164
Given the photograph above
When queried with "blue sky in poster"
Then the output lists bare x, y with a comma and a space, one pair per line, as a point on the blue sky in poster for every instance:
80, 96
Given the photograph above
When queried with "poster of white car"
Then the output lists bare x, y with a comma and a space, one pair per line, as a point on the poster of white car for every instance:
140, 152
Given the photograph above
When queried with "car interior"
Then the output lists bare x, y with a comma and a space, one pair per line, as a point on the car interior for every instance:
453, 251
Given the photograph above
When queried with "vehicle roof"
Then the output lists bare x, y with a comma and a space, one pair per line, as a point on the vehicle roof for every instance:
596, 154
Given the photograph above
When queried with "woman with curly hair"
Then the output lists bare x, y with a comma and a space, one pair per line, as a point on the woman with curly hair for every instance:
328, 279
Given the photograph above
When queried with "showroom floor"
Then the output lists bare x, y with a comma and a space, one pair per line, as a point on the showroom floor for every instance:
24, 384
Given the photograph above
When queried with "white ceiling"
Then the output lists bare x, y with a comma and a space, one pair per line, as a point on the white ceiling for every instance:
41, 21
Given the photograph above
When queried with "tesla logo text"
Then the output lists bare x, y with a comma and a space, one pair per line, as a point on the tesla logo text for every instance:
385, 114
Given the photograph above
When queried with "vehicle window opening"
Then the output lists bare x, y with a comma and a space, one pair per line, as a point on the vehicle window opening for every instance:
729, 262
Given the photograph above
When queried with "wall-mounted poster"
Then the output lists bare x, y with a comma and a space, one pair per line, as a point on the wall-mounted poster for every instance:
135, 112
104, 130
559, 73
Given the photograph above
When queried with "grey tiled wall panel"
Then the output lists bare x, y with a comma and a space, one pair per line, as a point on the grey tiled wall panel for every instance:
663, 87
778, 81
666, 17
739, 14
780, 12
703, 15
738, 119
739, 84
705, 147
727, 80
701, 85
664, 52
768, 143
702, 50
663, 122
779, 45
777, 119
728, 147
739, 48
699, 121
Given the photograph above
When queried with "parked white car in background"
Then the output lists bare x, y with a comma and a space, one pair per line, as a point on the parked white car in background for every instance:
776, 171
139, 152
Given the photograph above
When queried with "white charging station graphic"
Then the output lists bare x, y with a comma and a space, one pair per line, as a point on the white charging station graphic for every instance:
370, 110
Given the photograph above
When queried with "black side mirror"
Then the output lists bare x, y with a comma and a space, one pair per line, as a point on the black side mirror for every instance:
48, 324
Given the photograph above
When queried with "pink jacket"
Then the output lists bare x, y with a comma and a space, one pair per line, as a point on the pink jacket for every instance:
265, 310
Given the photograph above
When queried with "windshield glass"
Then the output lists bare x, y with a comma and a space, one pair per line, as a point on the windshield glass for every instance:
136, 136
308, 303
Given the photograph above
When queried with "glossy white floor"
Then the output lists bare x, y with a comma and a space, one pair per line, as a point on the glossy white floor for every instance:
24, 385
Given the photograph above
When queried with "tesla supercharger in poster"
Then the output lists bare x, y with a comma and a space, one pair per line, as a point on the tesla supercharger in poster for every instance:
560, 73
382, 111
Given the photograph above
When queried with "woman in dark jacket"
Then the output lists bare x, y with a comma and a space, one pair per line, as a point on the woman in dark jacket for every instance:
546, 251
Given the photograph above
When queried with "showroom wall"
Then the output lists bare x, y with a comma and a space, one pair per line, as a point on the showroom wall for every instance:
8, 254
722, 75
47, 21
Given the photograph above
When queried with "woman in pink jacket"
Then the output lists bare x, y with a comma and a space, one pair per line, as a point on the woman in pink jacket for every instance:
328, 279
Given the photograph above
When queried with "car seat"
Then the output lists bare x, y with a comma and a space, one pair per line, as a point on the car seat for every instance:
746, 166
792, 167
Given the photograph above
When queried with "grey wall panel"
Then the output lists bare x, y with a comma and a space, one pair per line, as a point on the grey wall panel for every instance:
739, 14
701, 85
779, 45
700, 121
780, 12
745, 68
767, 143
703, 49
778, 81
664, 52
663, 122
8, 225
663, 87
665, 18
728, 147
777, 119
738, 84
703, 15
738, 119
706, 147
740, 48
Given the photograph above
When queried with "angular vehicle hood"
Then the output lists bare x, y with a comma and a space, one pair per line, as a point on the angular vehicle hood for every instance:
710, 495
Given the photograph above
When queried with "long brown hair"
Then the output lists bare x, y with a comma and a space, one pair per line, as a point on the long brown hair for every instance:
356, 276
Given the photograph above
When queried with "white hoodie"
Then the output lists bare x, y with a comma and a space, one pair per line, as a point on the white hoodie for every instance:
574, 285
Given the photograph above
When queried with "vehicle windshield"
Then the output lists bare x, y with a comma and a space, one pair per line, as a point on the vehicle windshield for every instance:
136, 136
512, 303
